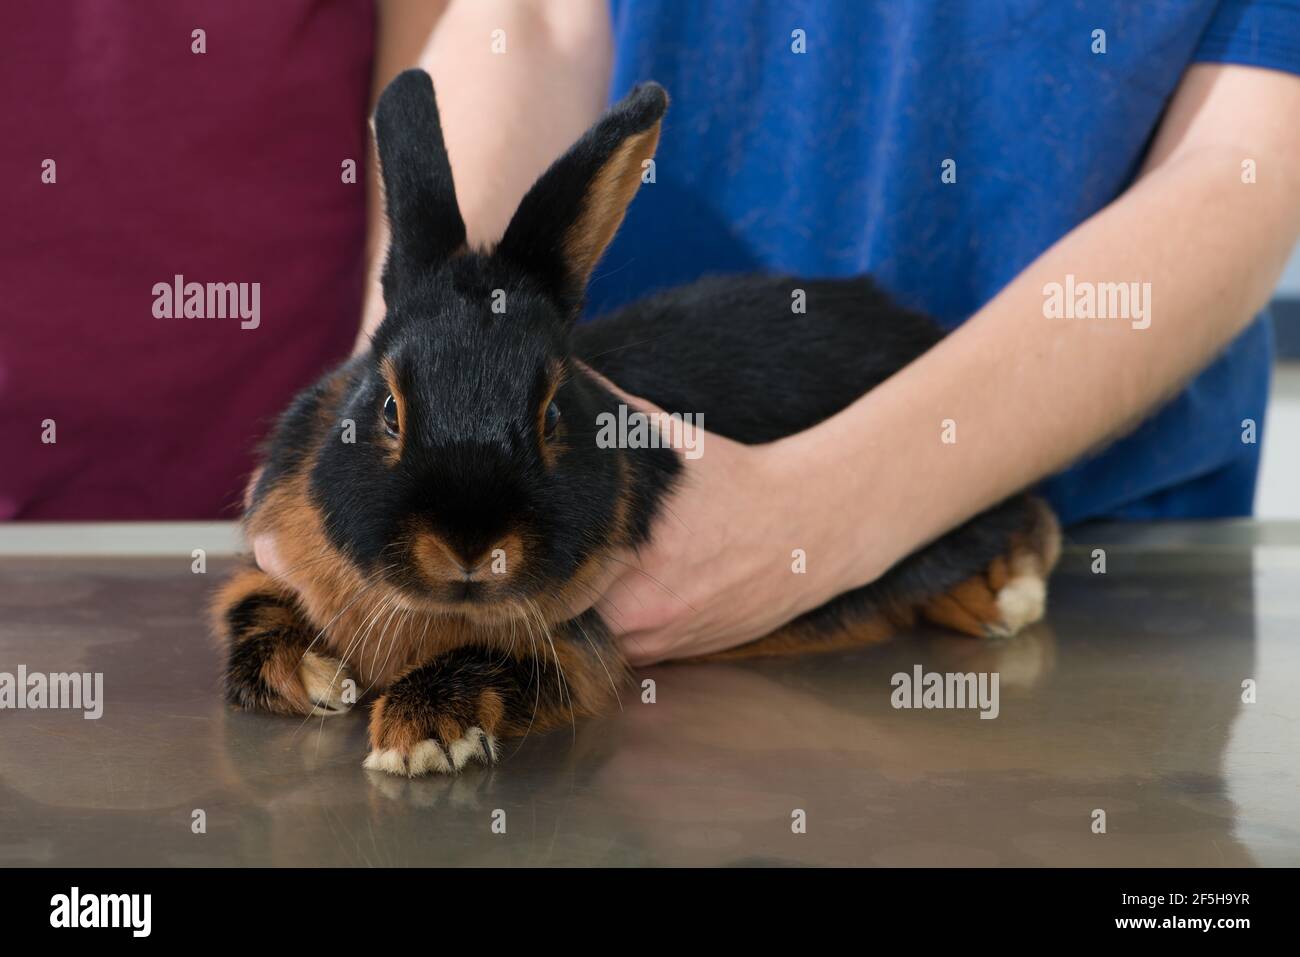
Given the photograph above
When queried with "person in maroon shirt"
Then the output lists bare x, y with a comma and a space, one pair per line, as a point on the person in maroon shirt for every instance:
222, 143
191, 222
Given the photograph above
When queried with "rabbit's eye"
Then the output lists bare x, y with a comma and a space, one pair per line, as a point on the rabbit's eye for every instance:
552, 419
390, 414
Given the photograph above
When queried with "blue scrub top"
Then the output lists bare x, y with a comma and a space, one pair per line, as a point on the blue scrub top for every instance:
829, 162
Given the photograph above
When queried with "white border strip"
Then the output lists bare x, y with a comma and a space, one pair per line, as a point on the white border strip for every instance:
119, 538
224, 538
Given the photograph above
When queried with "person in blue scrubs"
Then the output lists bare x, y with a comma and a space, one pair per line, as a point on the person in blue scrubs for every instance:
828, 163
977, 157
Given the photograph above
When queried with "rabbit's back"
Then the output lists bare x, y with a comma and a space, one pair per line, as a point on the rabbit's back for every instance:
760, 357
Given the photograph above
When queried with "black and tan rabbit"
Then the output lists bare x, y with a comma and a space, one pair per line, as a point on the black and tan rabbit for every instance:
444, 496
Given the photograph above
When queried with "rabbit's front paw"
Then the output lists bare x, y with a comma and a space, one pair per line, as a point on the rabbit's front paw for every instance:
326, 681
285, 680
270, 665
413, 732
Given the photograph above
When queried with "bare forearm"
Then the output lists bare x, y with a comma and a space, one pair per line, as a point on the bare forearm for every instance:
1029, 394
517, 82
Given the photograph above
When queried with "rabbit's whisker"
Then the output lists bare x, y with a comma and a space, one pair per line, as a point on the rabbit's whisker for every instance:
365, 589
357, 640
642, 571
537, 682
561, 681
614, 687
402, 622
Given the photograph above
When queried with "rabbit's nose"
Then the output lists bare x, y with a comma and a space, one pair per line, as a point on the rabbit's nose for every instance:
459, 562
471, 571
481, 561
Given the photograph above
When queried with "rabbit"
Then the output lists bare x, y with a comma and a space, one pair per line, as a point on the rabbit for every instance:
445, 500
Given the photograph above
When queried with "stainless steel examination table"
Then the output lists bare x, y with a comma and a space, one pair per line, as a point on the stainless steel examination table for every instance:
1164, 693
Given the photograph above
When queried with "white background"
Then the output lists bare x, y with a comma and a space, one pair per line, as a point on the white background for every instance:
1279, 481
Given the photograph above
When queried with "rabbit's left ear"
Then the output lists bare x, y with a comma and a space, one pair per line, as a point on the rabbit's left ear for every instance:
568, 218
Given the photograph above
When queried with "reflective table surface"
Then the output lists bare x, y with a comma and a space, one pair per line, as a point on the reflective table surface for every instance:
1153, 719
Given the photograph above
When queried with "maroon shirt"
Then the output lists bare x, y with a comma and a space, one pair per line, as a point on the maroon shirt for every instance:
221, 167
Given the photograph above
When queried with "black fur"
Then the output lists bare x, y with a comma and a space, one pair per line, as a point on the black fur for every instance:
422, 211
733, 349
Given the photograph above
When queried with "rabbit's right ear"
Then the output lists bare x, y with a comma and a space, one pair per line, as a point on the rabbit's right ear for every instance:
565, 222
419, 193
